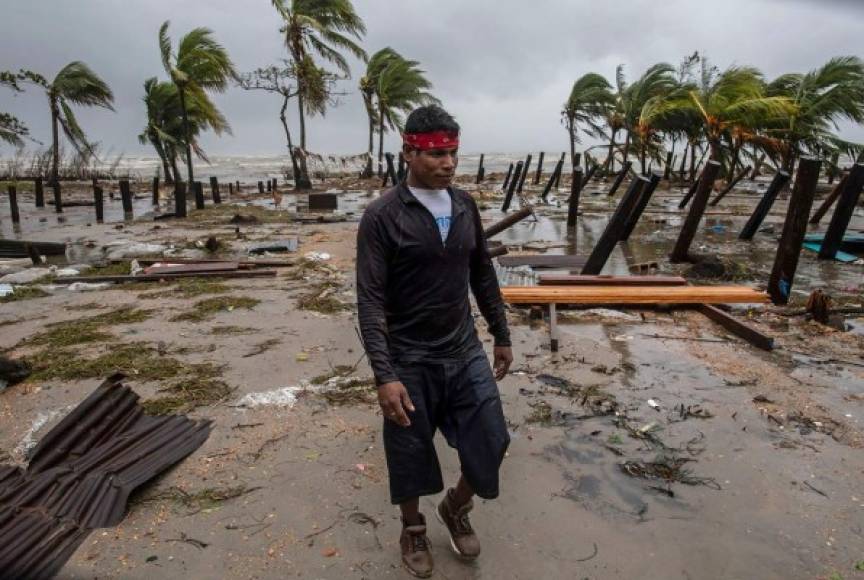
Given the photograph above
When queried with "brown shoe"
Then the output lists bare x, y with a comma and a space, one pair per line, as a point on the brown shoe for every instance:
416, 554
463, 540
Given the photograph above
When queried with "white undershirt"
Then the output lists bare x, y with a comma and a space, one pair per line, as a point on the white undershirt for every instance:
439, 204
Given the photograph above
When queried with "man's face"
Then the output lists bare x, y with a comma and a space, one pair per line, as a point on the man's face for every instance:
432, 169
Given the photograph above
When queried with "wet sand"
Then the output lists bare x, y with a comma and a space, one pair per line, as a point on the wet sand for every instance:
777, 481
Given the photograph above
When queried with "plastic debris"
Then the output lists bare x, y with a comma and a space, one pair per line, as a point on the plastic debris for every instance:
26, 276
654, 404
6, 290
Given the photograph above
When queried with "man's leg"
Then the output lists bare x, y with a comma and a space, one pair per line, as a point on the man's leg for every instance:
462, 493
411, 512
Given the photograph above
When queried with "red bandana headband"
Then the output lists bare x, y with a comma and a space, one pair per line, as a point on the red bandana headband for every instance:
433, 140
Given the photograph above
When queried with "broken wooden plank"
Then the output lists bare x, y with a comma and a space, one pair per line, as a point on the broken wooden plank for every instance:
829, 201
264, 263
781, 178
507, 222
606, 280
737, 327
542, 261
632, 295
159, 277
169, 267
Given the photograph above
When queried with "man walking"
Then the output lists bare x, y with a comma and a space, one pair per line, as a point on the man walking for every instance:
420, 247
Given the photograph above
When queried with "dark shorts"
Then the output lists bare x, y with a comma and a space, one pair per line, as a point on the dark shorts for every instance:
460, 398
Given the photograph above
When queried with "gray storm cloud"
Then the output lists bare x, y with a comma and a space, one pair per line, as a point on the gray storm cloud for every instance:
503, 68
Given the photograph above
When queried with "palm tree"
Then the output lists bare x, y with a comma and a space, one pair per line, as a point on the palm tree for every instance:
823, 97
368, 87
75, 84
11, 129
200, 64
401, 88
731, 106
590, 101
654, 86
165, 129
322, 27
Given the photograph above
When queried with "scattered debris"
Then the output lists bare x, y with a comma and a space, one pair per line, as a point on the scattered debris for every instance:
668, 469
209, 307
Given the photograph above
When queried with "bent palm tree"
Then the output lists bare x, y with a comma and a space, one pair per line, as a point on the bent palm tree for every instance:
11, 129
401, 88
653, 86
368, 88
165, 129
200, 64
322, 27
590, 101
75, 84
822, 98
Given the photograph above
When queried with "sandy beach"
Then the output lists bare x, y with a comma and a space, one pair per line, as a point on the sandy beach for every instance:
745, 464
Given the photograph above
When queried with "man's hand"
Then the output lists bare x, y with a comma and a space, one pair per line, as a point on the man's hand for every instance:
503, 360
395, 402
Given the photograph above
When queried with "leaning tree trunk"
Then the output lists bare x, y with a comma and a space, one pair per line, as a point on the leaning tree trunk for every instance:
188, 134
169, 179
55, 146
693, 161
571, 130
626, 148
610, 156
173, 158
367, 172
380, 141
301, 177
302, 121
642, 154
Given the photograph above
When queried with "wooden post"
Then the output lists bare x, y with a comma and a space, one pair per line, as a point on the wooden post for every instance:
517, 173
480, 171
507, 178
156, 190
99, 204
559, 169
573, 202
639, 209
198, 189
214, 190
40, 192
731, 186
667, 171
612, 234
553, 179
180, 199
781, 178
553, 327
230, 189
508, 221
525, 169
690, 193
269, 186
126, 198
261, 187
237, 187
539, 172
577, 160
13, 205
681, 252
794, 230
620, 179
58, 202
829, 201
843, 213
590, 175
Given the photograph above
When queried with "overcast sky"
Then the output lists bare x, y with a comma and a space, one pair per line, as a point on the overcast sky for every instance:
502, 67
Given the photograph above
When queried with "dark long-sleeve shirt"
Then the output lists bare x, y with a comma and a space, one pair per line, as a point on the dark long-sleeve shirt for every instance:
412, 289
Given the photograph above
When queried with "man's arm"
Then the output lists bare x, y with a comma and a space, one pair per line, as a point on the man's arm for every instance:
372, 254
484, 285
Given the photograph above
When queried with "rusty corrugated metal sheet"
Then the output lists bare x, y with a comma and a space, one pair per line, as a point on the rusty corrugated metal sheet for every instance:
81, 474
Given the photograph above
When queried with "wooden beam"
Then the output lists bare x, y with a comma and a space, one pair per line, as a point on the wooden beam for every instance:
612, 234
843, 213
736, 327
641, 204
542, 261
160, 277
507, 222
632, 295
781, 178
618, 180
731, 186
681, 252
794, 230
511, 188
578, 280
829, 201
